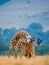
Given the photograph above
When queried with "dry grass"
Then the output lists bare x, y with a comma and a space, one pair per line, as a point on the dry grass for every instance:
38, 60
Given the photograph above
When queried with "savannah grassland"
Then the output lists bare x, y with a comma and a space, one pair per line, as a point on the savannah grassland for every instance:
38, 60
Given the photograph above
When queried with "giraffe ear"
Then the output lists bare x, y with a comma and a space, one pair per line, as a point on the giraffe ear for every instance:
40, 41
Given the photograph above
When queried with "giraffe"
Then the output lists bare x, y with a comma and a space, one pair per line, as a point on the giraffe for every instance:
15, 39
27, 48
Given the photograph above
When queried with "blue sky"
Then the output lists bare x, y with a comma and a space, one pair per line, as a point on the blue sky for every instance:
21, 13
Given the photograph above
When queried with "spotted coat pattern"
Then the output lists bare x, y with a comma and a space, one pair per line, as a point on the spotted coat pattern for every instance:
19, 42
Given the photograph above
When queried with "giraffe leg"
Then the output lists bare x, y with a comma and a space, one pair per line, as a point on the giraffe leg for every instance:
23, 53
10, 50
16, 51
33, 52
30, 55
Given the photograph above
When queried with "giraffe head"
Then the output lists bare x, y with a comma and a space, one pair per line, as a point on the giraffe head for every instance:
39, 42
29, 39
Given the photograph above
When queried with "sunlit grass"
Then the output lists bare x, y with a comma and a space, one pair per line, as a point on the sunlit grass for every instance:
38, 60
